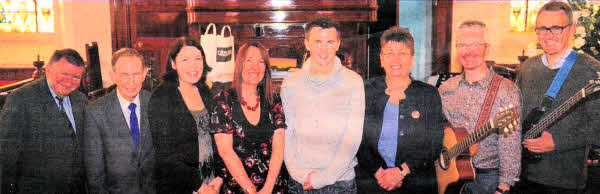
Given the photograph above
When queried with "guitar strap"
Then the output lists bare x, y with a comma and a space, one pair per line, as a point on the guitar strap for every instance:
558, 81
490, 98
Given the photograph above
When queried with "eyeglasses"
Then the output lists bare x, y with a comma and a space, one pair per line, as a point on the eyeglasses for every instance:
472, 45
555, 30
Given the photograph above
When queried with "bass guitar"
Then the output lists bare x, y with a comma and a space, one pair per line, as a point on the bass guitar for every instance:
533, 129
455, 166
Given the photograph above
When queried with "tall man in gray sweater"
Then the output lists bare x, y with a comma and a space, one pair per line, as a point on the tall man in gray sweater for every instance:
562, 145
324, 105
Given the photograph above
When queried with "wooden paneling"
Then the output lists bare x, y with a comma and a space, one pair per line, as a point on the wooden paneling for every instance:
442, 36
387, 16
155, 51
159, 3
150, 26
15, 74
160, 24
120, 24
281, 5
282, 16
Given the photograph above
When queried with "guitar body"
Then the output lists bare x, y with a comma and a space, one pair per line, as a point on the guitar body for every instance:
460, 168
534, 116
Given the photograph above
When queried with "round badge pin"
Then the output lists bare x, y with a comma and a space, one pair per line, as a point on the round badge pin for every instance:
415, 114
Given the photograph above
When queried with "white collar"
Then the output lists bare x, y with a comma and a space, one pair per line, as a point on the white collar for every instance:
125, 103
559, 63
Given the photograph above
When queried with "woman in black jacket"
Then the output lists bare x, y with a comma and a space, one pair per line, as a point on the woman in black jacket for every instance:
179, 123
403, 132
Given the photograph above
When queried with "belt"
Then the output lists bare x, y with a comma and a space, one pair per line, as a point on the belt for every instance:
485, 170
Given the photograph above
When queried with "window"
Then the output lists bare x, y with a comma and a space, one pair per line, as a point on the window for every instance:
35, 16
523, 14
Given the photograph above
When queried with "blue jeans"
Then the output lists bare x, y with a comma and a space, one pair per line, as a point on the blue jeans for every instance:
484, 183
337, 187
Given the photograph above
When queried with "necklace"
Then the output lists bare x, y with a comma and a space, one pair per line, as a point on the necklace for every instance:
251, 108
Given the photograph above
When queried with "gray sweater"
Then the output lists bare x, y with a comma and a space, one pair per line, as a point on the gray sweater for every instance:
325, 123
562, 167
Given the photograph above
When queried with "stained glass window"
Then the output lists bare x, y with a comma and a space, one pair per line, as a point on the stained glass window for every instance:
26, 16
523, 14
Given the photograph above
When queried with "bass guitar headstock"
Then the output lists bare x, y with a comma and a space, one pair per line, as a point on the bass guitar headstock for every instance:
592, 87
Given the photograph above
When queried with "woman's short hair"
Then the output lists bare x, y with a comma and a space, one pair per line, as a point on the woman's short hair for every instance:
401, 35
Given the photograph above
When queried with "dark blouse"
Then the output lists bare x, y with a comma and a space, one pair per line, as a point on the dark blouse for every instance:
420, 136
175, 140
251, 143
206, 156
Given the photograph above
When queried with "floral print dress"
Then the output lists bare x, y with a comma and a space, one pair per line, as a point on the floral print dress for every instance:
251, 143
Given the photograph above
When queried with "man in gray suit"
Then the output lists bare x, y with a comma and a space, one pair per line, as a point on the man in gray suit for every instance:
41, 128
117, 142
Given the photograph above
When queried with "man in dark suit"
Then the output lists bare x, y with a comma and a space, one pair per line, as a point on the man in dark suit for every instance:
117, 142
41, 128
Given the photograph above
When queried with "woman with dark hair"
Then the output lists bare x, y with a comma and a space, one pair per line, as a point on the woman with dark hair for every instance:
179, 123
402, 134
248, 127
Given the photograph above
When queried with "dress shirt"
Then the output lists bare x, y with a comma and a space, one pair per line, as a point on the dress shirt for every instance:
558, 64
462, 102
66, 104
125, 108
388, 141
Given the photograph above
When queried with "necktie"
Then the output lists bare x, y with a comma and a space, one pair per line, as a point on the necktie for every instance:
60, 104
61, 107
133, 125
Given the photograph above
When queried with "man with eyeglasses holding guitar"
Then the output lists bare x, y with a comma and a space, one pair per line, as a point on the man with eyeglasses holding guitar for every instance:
547, 83
468, 101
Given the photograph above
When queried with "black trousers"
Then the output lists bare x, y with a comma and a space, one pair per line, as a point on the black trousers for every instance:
529, 187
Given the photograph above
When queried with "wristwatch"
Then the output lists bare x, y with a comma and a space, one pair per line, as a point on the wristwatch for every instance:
251, 190
403, 172
502, 191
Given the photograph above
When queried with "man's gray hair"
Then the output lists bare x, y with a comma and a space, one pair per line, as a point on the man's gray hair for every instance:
558, 6
129, 52
474, 25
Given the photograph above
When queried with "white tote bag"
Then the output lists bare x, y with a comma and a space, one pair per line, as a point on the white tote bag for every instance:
225, 58
208, 41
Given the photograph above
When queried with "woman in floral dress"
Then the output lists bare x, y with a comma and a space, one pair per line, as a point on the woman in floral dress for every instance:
248, 127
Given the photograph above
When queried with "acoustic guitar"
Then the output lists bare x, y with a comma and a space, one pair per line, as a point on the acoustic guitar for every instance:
454, 167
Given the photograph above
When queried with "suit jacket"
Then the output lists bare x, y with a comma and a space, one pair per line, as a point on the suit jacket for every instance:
40, 151
113, 164
175, 140
418, 147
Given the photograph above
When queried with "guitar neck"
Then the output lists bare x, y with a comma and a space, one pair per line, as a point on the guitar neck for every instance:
476, 136
538, 128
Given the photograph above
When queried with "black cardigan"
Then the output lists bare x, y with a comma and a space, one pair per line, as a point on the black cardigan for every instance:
418, 147
175, 139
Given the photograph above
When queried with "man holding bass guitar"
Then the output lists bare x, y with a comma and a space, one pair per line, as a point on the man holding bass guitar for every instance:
547, 81
497, 163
